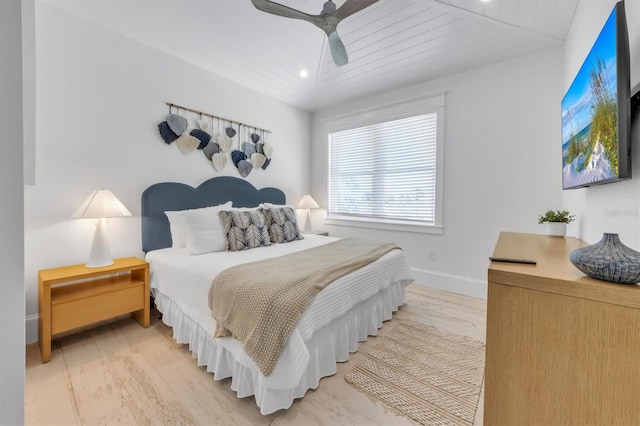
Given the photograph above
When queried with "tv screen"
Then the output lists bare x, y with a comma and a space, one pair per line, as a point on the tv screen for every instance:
596, 118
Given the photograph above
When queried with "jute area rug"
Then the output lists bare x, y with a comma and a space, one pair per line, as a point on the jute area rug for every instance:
428, 375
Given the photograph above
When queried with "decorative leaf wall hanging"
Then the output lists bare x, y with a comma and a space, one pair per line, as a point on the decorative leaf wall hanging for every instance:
210, 149
258, 160
248, 148
253, 152
237, 156
244, 167
187, 143
203, 124
219, 161
230, 131
177, 123
166, 133
202, 136
267, 150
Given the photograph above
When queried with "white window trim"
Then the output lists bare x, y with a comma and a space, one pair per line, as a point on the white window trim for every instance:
395, 111
385, 224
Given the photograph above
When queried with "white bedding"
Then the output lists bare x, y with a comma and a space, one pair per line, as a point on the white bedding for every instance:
181, 282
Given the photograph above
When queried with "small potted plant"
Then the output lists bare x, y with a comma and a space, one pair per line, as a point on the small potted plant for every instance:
557, 221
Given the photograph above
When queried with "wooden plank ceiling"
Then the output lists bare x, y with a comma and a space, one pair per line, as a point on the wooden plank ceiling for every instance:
391, 44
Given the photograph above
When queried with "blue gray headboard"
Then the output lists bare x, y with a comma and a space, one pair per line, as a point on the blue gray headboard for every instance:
167, 196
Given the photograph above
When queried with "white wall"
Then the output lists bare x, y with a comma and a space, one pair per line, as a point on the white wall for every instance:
29, 89
502, 165
100, 97
613, 207
11, 218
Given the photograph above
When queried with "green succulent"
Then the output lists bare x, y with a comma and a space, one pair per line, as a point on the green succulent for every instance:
561, 216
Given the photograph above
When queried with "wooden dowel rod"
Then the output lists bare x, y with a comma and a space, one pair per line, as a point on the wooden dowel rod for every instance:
216, 116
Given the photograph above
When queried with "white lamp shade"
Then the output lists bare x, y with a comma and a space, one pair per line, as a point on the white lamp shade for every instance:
307, 203
101, 203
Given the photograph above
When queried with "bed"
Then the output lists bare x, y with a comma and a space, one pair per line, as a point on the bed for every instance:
337, 319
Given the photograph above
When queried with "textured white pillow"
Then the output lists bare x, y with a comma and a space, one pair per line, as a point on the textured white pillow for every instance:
204, 232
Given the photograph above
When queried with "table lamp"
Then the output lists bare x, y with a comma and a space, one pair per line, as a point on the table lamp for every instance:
307, 203
101, 204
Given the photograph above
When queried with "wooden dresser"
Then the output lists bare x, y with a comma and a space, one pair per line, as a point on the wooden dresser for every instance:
562, 348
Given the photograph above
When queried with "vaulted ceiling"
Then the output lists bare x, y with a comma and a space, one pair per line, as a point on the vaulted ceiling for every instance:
391, 44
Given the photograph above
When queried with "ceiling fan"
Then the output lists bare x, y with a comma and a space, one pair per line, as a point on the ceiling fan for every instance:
327, 20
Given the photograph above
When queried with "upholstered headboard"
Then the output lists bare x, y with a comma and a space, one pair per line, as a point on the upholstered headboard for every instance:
167, 196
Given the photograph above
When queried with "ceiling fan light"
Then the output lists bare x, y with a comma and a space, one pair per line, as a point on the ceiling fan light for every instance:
329, 7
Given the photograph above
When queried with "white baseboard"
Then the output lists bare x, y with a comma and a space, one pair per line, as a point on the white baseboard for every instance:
452, 283
31, 328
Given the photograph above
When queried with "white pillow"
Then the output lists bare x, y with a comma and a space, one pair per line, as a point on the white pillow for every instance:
275, 206
245, 209
204, 232
176, 226
270, 205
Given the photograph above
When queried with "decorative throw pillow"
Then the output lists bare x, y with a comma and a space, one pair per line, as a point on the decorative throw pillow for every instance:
282, 224
245, 229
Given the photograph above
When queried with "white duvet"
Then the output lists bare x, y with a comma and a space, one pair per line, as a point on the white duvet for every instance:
186, 279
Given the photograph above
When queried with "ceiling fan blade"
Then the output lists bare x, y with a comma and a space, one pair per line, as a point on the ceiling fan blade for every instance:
338, 51
352, 6
281, 10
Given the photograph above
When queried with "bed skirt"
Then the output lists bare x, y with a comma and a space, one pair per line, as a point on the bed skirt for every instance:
330, 344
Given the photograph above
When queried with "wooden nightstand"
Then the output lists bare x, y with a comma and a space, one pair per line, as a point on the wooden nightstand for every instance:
73, 296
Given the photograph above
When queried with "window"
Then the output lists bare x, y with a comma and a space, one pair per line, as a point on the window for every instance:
387, 172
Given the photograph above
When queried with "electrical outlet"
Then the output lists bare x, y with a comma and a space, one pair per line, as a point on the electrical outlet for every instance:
431, 254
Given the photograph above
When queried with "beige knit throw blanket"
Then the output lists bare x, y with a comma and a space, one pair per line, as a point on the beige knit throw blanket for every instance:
260, 303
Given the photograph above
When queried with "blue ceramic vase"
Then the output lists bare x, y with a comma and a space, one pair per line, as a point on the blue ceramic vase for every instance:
608, 260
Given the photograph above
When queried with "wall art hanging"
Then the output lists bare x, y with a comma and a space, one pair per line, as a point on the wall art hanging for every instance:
215, 137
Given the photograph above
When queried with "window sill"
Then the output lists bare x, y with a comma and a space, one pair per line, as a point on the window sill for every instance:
387, 225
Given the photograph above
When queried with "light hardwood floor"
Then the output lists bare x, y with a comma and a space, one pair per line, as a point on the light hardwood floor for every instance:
120, 373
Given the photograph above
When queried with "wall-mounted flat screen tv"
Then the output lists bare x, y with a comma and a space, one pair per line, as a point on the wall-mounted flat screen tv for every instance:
596, 111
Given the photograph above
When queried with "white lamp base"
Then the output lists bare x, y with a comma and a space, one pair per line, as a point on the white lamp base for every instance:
99, 255
307, 223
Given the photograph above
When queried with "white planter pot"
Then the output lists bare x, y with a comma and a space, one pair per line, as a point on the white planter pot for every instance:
557, 228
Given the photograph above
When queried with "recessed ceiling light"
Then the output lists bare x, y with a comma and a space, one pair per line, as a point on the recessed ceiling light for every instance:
304, 73
485, 1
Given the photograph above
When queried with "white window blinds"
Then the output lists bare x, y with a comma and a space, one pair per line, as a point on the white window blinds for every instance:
385, 171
